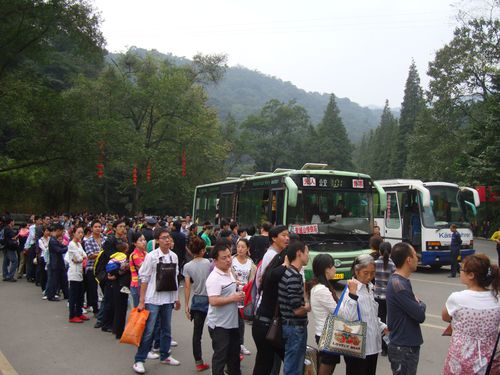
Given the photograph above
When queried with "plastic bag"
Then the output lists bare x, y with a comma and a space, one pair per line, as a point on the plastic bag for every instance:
135, 327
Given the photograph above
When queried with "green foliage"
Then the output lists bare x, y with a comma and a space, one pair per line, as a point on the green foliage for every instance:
413, 104
377, 153
331, 142
243, 92
275, 137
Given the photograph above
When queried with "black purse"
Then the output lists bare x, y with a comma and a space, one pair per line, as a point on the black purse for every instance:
166, 276
274, 333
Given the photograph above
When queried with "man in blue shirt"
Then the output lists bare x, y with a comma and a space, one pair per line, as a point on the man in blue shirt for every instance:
405, 313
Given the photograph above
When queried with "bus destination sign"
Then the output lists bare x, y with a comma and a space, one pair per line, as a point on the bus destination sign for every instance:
333, 182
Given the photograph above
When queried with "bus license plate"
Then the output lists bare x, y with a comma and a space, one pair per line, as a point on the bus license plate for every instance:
339, 276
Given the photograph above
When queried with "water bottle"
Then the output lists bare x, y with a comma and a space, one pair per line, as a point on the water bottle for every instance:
241, 304
386, 339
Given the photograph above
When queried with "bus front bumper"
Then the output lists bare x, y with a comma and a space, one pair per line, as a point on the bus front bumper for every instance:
441, 258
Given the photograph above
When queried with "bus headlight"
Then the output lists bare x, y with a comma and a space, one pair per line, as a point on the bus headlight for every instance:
337, 263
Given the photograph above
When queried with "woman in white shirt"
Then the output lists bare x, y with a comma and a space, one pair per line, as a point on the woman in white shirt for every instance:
323, 301
243, 270
76, 256
361, 294
476, 316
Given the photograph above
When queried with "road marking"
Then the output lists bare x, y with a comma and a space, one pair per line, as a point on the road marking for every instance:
437, 282
5, 366
433, 316
433, 326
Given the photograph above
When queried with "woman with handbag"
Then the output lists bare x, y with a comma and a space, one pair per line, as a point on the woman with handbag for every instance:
195, 276
323, 301
476, 317
360, 296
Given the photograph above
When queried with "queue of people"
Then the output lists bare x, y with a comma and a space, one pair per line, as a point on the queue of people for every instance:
82, 261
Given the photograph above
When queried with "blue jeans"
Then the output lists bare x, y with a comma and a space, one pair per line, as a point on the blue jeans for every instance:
404, 359
164, 313
135, 292
295, 349
9, 266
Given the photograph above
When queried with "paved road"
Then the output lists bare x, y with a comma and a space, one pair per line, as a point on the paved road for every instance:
36, 338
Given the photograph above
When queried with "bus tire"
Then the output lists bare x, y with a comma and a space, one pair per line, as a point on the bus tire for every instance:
435, 267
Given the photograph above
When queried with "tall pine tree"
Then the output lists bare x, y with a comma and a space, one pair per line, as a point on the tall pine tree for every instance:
332, 143
413, 103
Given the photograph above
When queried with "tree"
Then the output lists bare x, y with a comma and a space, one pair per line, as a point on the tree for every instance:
159, 115
413, 103
383, 146
275, 136
458, 130
28, 29
332, 143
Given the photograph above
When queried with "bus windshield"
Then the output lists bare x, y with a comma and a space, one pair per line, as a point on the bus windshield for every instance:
447, 207
333, 211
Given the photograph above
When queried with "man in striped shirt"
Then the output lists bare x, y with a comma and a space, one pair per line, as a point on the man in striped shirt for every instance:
293, 309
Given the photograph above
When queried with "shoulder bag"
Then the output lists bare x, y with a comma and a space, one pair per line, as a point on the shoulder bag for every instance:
166, 276
274, 333
340, 336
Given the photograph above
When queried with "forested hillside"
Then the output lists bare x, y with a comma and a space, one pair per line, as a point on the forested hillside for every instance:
243, 92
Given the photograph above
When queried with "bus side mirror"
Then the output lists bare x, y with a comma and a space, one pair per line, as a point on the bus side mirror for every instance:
293, 191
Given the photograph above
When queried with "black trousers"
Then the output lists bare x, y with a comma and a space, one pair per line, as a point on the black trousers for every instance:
58, 280
91, 290
75, 298
454, 262
198, 318
226, 347
41, 273
360, 366
120, 302
265, 357
108, 306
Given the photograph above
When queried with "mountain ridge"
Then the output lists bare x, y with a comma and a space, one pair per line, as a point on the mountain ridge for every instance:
243, 92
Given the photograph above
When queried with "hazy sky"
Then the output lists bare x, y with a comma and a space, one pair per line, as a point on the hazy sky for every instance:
360, 49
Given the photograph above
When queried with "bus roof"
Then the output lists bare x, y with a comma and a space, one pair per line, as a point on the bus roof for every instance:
406, 182
286, 172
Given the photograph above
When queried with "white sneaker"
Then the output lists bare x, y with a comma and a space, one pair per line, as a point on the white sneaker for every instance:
171, 361
244, 350
174, 343
139, 367
44, 297
153, 355
84, 311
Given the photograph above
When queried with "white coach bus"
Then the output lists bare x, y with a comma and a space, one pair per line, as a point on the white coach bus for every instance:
421, 213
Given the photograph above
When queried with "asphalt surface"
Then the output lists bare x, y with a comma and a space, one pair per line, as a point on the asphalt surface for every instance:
36, 338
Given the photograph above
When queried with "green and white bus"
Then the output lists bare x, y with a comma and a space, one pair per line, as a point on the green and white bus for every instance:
331, 211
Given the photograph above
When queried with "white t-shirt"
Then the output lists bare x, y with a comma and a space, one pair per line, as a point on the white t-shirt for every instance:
322, 304
471, 299
75, 256
242, 271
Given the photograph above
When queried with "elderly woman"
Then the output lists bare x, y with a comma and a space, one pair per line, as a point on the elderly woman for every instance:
361, 294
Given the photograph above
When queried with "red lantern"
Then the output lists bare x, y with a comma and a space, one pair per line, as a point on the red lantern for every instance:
183, 162
100, 170
134, 175
148, 172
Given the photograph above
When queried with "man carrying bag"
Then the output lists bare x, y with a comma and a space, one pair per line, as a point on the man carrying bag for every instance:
158, 295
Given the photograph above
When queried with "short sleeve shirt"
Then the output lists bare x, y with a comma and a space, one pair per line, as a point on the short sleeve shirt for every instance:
223, 284
198, 271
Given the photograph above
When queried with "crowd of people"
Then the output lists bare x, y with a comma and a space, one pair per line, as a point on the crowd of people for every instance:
105, 264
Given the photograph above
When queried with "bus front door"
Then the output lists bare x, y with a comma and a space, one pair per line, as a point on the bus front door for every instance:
393, 228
